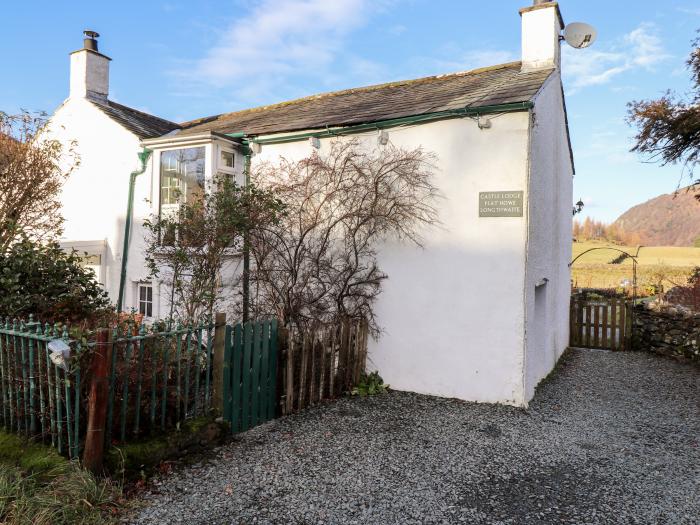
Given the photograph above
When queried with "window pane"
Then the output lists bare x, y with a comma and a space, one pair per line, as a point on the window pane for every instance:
226, 159
145, 305
181, 175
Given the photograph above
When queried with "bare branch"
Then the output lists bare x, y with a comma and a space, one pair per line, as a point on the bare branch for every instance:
33, 169
319, 260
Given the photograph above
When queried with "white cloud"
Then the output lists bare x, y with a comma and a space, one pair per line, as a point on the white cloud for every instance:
277, 41
641, 48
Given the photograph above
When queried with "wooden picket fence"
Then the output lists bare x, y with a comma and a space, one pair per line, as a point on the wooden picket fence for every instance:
323, 363
604, 322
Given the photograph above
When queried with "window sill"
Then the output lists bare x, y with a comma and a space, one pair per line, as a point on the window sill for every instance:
228, 253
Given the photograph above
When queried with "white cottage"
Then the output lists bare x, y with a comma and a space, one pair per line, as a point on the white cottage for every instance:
481, 313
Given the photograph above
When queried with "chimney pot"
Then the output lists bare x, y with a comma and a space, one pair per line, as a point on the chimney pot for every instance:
90, 40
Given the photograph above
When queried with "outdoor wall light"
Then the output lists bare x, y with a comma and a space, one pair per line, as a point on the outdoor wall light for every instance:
60, 351
483, 123
578, 208
255, 147
383, 138
315, 142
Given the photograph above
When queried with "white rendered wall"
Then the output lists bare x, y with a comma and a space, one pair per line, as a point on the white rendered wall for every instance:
549, 236
453, 313
94, 196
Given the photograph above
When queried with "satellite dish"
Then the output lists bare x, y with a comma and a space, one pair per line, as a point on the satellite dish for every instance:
580, 35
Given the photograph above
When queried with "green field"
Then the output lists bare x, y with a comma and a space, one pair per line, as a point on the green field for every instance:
668, 264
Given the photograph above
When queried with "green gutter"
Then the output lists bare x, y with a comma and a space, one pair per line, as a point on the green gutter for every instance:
143, 157
390, 123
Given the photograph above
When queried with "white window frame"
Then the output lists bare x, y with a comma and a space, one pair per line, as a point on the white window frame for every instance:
219, 161
212, 145
145, 285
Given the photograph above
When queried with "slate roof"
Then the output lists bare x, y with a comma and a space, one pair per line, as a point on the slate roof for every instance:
494, 85
142, 124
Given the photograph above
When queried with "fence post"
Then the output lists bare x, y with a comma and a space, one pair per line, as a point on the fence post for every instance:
97, 403
218, 363
629, 326
281, 365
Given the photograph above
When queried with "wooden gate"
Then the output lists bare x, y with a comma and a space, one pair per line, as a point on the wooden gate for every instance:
250, 374
601, 323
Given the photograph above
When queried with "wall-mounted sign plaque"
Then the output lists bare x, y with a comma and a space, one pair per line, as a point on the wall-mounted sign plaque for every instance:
500, 204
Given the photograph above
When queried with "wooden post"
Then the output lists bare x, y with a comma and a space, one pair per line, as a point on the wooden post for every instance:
281, 379
289, 370
572, 324
218, 363
97, 403
629, 326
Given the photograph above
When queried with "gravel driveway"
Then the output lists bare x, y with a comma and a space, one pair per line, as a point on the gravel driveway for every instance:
609, 438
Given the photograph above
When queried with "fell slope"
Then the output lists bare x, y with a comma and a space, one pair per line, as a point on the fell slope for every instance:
666, 220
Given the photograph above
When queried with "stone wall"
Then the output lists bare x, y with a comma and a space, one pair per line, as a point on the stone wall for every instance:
667, 331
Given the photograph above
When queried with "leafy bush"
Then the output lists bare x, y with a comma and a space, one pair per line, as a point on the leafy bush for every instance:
370, 385
44, 280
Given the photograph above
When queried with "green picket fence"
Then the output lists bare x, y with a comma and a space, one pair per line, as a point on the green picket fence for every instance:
250, 374
38, 396
158, 378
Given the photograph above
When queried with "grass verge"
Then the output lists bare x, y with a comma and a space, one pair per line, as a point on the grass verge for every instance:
40, 487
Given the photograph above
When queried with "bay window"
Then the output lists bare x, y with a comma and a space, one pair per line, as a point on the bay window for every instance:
181, 176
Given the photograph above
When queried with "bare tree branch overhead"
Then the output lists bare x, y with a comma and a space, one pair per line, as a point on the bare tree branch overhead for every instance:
669, 127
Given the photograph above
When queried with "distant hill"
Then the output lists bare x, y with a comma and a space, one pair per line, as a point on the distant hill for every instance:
666, 220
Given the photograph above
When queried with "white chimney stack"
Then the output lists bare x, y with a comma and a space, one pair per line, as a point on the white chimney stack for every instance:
541, 26
89, 70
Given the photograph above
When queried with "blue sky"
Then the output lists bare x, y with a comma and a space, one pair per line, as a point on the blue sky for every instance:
186, 59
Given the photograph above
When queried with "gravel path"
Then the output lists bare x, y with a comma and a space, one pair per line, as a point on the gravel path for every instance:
609, 438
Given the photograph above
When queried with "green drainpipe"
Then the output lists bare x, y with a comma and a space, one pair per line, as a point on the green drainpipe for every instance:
143, 157
246, 241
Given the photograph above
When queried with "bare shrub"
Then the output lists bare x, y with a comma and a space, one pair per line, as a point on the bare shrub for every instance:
319, 261
32, 171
